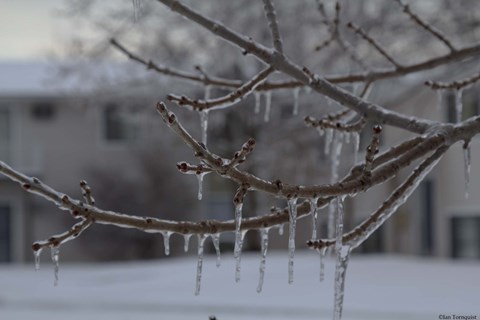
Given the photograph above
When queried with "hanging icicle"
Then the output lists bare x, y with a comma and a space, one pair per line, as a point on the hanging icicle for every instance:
331, 219
200, 184
186, 239
166, 242
467, 167
257, 96
216, 243
337, 143
314, 214
263, 259
439, 99
280, 229
296, 103
136, 9
323, 253
338, 223
55, 251
268, 106
340, 272
346, 136
459, 104
238, 255
328, 140
343, 253
201, 242
204, 125
36, 254
292, 208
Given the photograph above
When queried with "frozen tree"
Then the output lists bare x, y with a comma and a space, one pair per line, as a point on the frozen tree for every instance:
351, 111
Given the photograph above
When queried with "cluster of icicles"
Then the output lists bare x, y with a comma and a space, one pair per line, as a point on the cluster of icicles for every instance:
333, 143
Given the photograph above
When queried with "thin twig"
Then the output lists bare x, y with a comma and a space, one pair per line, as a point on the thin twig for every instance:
457, 85
435, 32
225, 101
273, 24
374, 43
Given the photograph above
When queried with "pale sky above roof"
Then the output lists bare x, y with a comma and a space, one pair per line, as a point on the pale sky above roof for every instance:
29, 29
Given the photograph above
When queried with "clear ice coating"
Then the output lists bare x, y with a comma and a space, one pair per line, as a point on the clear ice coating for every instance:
166, 242
36, 254
467, 167
201, 242
296, 103
263, 259
268, 106
292, 208
55, 251
204, 125
216, 244
238, 255
458, 104
257, 96
186, 239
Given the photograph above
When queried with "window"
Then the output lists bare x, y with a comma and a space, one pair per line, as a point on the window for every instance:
427, 213
466, 237
470, 107
5, 134
43, 110
119, 125
5, 236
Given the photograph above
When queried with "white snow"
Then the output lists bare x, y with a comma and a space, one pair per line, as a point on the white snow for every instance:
377, 287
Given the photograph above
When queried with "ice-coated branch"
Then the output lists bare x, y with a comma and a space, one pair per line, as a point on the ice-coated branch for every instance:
429, 28
443, 134
87, 193
327, 123
457, 85
271, 16
360, 233
241, 156
188, 168
362, 33
59, 239
225, 101
371, 75
150, 65
283, 64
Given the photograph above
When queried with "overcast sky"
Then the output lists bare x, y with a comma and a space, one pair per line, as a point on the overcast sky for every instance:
29, 28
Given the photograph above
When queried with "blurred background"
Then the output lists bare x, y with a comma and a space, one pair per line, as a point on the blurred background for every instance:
72, 107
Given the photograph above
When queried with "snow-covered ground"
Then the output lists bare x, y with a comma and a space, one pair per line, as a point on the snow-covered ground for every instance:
378, 287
